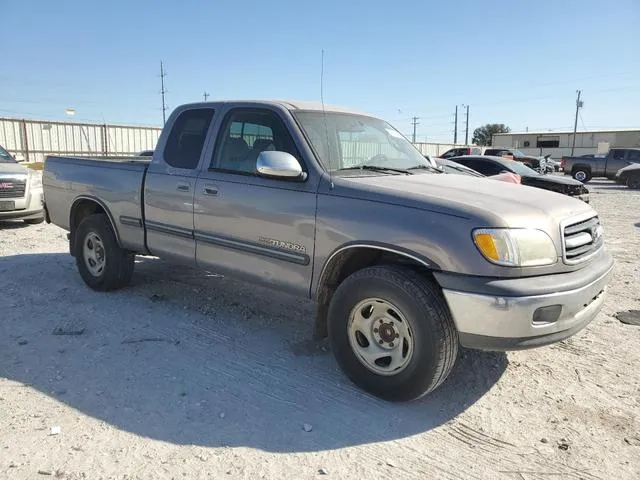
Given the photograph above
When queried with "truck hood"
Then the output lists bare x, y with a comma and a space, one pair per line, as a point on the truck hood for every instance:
12, 169
498, 204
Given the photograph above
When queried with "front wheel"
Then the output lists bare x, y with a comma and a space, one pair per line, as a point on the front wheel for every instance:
392, 333
102, 264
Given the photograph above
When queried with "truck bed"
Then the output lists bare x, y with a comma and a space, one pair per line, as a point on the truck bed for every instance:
115, 183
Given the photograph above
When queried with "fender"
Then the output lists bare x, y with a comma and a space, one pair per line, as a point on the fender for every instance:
99, 202
426, 262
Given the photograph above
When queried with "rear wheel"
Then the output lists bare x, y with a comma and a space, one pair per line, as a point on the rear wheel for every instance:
581, 174
102, 264
392, 333
633, 182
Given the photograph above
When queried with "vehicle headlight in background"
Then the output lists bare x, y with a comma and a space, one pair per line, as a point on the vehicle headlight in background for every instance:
515, 247
35, 179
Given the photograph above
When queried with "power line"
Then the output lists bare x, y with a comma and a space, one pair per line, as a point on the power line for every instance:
455, 128
466, 128
581, 120
163, 91
575, 125
414, 123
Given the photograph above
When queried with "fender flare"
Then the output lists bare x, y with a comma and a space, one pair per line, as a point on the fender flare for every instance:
97, 201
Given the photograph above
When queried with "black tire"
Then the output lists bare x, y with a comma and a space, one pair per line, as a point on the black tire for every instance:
34, 221
119, 263
581, 174
633, 182
435, 345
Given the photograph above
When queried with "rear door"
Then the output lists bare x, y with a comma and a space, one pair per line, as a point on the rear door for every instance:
170, 185
616, 160
254, 227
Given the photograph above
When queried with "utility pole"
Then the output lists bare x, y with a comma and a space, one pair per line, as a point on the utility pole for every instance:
575, 125
163, 91
466, 129
205, 95
414, 123
455, 129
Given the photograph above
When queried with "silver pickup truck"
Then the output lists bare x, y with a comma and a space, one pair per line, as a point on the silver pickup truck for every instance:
405, 263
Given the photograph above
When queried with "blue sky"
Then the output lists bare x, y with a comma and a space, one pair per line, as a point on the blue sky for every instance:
513, 62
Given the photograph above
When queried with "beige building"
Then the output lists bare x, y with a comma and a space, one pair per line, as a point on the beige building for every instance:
558, 144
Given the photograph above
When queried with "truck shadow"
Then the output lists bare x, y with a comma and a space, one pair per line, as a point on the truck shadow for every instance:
188, 357
12, 224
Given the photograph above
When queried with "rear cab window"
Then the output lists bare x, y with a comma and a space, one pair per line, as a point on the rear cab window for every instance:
187, 138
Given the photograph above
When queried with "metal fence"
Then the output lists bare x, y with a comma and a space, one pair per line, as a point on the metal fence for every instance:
33, 140
434, 149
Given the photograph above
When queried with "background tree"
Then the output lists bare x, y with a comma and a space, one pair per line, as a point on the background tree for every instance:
482, 135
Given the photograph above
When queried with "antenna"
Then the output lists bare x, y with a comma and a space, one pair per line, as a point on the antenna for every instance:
324, 116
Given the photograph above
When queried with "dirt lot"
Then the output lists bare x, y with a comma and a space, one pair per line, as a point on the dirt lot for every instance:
188, 375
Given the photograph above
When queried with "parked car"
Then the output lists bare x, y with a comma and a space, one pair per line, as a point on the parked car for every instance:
405, 264
459, 151
536, 163
145, 153
20, 191
585, 168
449, 166
629, 176
489, 165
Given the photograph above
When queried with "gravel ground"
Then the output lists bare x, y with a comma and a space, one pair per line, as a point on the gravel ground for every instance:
191, 375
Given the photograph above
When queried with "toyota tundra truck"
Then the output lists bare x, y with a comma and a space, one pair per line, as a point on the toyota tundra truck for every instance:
405, 263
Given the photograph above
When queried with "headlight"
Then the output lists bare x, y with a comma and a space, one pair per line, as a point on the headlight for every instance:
35, 180
515, 247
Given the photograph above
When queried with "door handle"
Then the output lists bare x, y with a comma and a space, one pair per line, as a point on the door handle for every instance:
210, 190
183, 187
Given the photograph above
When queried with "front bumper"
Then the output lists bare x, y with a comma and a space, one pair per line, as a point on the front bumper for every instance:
29, 207
557, 307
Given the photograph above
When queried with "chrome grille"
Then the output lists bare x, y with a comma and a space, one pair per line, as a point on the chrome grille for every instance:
581, 240
12, 188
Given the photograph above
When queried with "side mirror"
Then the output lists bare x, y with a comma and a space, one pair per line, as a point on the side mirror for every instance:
282, 165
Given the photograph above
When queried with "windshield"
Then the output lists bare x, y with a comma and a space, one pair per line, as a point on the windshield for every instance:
458, 169
520, 168
5, 157
518, 153
344, 141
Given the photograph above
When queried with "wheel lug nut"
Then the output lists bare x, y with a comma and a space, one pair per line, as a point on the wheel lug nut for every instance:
391, 323
397, 335
375, 330
391, 344
381, 321
380, 342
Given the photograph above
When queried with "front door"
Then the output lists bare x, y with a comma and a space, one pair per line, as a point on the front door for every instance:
170, 187
259, 228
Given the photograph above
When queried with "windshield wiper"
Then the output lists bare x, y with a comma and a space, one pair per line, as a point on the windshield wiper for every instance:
426, 167
375, 168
